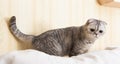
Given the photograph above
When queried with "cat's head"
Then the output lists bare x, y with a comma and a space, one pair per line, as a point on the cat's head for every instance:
95, 28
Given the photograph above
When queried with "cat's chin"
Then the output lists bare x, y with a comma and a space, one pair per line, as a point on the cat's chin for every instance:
94, 38
91, 37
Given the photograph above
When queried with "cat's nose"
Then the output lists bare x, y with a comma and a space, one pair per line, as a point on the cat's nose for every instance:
96, 35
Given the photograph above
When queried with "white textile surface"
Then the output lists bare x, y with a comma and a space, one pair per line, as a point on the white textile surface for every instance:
111, 56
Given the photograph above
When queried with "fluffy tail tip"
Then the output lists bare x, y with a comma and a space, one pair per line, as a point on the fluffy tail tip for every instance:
13, 18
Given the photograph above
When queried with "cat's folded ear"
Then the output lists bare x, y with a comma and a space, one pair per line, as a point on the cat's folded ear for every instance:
92, 20
104, 23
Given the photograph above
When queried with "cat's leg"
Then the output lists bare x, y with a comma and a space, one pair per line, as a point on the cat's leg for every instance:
79, 48
49, 46
77, 52
54, 48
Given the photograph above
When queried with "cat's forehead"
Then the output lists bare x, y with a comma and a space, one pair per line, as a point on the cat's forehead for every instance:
95, 22
96, 25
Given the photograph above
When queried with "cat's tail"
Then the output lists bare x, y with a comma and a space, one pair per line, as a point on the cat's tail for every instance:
17, 33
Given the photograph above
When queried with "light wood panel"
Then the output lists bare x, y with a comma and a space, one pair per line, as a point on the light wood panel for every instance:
111, 3
37, 16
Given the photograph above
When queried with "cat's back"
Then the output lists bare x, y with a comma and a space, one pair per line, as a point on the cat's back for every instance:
57, 32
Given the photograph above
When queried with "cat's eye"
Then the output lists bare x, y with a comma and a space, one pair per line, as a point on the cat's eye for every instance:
100, 31
92, 30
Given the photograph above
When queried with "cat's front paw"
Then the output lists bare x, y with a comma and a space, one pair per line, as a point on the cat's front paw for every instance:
78, 52
73, 54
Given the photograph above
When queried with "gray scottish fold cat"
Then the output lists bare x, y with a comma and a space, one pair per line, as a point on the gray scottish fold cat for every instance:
65, 41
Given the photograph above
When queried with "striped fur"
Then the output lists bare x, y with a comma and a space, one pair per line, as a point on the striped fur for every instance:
65, 41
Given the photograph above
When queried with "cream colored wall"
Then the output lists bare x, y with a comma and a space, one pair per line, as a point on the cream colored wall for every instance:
37, 16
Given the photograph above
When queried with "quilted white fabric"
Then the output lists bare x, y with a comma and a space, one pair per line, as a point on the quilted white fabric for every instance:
111, 56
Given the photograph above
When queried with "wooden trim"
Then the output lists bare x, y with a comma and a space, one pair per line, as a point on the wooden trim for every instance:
110, 3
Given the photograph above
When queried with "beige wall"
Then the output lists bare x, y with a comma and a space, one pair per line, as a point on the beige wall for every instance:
37, 16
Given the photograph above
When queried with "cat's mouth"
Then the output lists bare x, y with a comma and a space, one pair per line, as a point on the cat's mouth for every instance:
96, 36
93, 37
